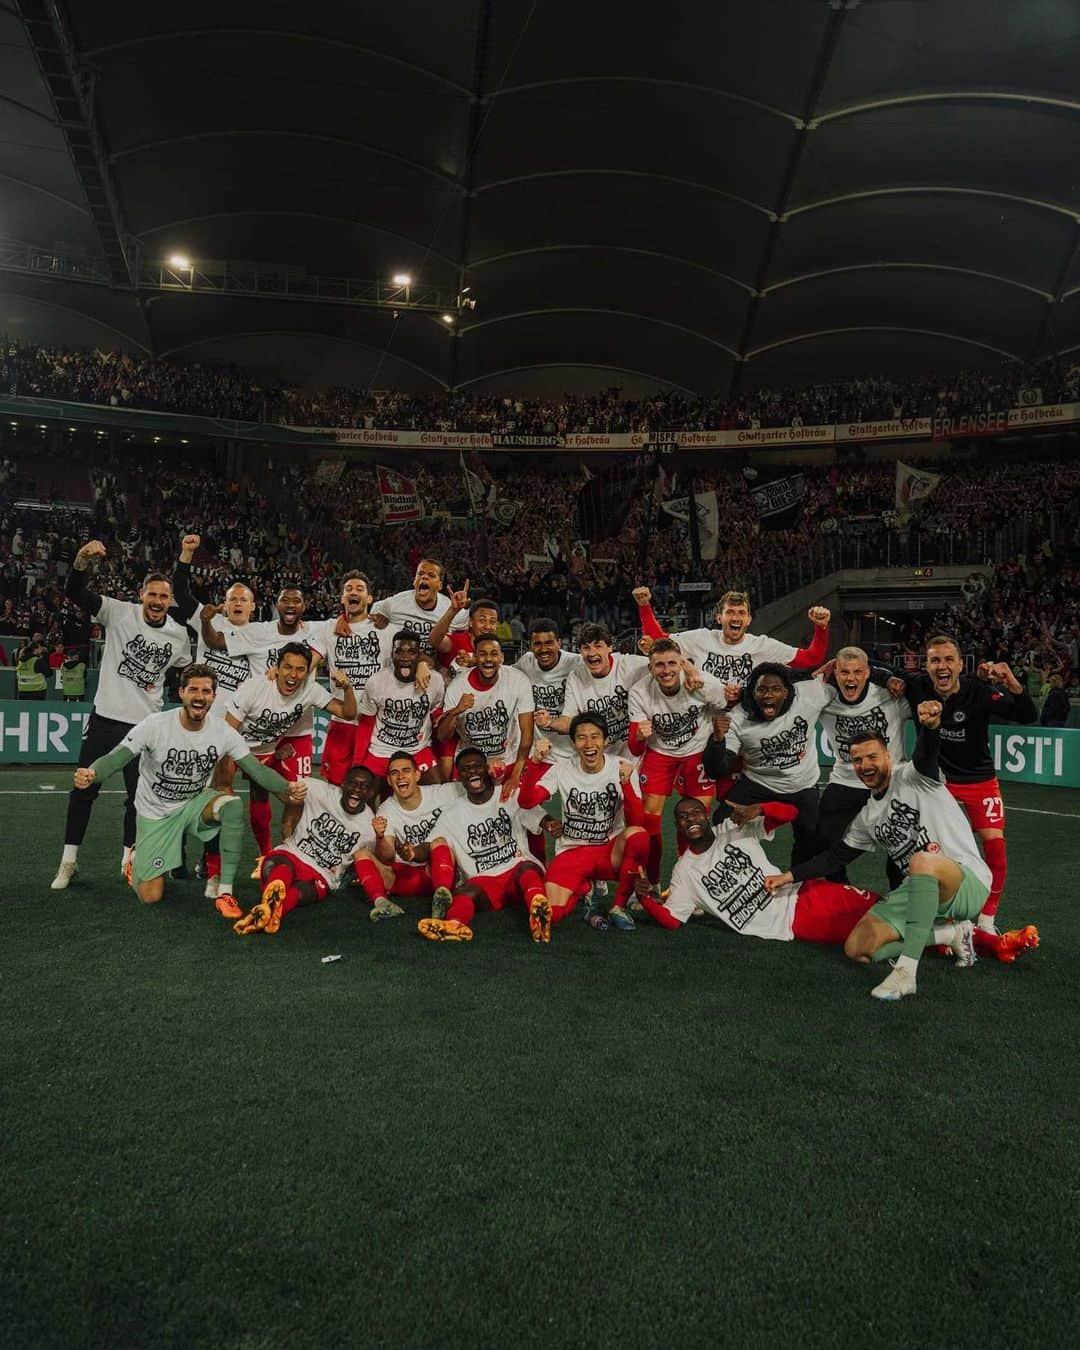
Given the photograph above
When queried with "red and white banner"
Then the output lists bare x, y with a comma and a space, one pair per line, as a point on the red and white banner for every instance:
955, 428
913, 486
400, 499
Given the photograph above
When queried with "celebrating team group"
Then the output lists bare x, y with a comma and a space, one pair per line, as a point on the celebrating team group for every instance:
441, 767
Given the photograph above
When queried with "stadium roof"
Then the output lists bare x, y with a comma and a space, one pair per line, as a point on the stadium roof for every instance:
775, 191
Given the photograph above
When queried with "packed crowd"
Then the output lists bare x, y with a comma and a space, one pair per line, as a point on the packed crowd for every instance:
124, 380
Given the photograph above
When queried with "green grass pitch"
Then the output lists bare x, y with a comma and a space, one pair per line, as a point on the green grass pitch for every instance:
662, 1139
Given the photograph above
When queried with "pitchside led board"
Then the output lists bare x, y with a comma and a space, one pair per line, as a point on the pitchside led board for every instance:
49, 733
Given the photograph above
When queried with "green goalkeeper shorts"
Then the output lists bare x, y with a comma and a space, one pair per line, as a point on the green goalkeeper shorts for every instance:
967, 902
159, 844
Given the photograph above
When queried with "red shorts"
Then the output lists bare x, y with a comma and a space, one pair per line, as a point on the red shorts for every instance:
409, 880
338, 751
578, 867
661, 775
379, 765
827, 911
982, 802
298, 765
301, 870
504, 888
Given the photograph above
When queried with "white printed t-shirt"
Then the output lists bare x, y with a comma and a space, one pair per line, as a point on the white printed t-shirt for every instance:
419, 825
266, 714
728, 880
402, 611
491, 724
877, 711
361, 655
732, 662
175, 764
131, 682
402, 712
549, 694
262, 641
326, 837
682, 722
486, 839
781, 754
592, 803
917, 814
609, 695
232, 672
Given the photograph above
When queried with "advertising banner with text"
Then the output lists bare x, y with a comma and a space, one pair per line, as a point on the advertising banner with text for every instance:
50, 733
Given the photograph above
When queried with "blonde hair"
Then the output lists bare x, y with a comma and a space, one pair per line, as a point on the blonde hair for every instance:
734, 598
851, 654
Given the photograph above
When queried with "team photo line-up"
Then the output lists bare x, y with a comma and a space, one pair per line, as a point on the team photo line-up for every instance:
441, 762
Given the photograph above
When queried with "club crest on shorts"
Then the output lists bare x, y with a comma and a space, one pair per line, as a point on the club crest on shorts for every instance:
157, 862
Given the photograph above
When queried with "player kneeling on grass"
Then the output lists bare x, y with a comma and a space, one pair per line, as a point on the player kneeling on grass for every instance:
725, 870
332, 830
483, 835
404, 828
911, 816
179, 751
601, 838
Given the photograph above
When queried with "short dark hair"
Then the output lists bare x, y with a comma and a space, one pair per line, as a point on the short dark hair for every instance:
361, 768
665, 644
488, 637
592, 719
782, 673
545, 626
469, 750
155, 576
868, 736
291, 586
435, 563
483, 604
405, 635
197, 671
942, 640
356, 575
402, 754
594, 632
295, 649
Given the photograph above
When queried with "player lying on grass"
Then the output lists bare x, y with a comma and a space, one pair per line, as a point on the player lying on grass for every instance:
600, 837
322, 840
179, 752
726, 871
483, 836
404, 827
773, 730
274, 716
911, 816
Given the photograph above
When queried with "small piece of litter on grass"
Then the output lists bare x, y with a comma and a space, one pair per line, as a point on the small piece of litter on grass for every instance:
47, 787
327, 959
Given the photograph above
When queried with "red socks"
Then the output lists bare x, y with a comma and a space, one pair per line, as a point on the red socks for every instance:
654, 828
261, 814
442, 866
635, 855
283, 872
462, 909
368, 876
994, 853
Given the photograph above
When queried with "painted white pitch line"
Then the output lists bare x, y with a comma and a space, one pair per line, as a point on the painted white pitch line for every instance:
1031, 811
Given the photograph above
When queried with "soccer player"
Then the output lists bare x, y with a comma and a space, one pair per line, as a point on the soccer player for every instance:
397, 714
773, 729
913, 818
969, 704
274, 718
670, 725
857, 706
260, 641
352, 643
725, 869
142, 641
177, 753
601, 684
601, 839
493, 713
483, 620
730, 651
332, 830
421, 608
406, 823
484, 837
547, 668
231, 671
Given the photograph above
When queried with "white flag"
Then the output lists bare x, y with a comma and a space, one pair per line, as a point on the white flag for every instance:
913, 486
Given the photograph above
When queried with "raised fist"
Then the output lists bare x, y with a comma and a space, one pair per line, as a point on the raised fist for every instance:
692, 677
733, 692
378, 826
774, 883
465, 702
642, 596
209, 612
85, 778
645, 644
94, 548
340, 680
645, 728
896, 686
819, 616
721, 725
930, 714
189, 546
543, 718
296, 793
